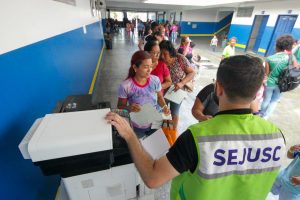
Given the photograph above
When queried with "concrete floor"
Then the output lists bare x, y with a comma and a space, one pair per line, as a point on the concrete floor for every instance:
116, 62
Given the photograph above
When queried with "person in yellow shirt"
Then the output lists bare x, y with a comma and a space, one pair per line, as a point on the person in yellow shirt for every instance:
229, 49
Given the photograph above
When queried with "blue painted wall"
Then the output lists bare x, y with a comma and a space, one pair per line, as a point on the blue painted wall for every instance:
266, 39
204, 27
296, 33
241, 32
32, 80
225, 21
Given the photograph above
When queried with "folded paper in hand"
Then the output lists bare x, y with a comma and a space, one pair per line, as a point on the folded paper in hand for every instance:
176, 97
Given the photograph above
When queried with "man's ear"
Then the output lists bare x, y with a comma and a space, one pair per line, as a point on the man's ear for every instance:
219, 89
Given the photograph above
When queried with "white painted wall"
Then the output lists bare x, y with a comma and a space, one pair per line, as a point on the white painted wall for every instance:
273, 9
26, 22
203, 15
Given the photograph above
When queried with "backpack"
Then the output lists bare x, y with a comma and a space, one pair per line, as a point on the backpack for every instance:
289, 78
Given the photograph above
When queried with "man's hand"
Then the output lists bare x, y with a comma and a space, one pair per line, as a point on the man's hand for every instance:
121, 125
295, 180
134, 107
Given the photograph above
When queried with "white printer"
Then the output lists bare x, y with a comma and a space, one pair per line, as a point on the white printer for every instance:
87, 152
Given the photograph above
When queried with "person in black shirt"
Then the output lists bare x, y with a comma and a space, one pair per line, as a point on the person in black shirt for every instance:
206, 104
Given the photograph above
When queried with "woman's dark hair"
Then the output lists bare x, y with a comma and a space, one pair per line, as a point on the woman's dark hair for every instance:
137, 59
158, 33
184, 39
149, 45
241, 77
147, 29
168, 46
284, 42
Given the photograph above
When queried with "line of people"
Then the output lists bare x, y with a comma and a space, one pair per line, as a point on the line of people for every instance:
235, 153
232, 150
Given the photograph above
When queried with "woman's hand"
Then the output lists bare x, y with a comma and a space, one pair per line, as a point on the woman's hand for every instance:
134, 107
166, 110
295, 180
292, 150
295, 148
205, 117
121, 125
178, 86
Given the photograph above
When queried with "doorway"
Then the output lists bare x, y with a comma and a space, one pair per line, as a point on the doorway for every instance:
258, 28
284, 25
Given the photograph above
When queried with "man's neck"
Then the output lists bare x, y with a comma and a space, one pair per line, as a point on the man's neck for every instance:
232, 106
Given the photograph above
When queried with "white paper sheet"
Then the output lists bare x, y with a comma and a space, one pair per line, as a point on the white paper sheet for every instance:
146, 115
176, 97
166, 117
156, 144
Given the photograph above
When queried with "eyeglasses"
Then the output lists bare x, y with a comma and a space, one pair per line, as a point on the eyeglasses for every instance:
155, 53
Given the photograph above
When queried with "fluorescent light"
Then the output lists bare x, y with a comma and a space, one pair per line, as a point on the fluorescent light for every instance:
195, 3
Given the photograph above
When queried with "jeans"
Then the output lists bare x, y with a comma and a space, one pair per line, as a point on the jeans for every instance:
271, 96
173, 37
213, 47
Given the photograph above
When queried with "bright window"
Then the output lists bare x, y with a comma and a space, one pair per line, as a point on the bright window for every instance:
117, 15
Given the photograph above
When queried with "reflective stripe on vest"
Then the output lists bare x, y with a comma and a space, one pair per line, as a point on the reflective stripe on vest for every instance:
223, 155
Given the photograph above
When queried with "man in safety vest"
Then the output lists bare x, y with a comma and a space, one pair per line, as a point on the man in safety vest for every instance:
233, 156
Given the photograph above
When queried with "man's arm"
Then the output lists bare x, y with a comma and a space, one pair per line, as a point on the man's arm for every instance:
267, 68
153, 172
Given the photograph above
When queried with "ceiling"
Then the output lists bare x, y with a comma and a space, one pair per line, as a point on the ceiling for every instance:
166, 5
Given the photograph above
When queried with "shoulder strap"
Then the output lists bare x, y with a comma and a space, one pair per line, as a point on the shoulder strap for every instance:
290, 61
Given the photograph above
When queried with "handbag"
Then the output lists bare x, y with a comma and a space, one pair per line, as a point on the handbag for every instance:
289, 78
169, 131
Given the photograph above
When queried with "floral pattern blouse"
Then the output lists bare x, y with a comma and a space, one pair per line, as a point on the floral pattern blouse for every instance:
178, 67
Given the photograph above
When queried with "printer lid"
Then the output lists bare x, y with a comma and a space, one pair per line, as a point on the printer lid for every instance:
68, 134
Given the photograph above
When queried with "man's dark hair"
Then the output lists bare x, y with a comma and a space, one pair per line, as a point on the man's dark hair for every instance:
149, 45
241, 76
168, 46
284, 42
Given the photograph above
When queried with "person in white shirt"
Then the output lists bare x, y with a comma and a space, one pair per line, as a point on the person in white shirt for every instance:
214, 43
